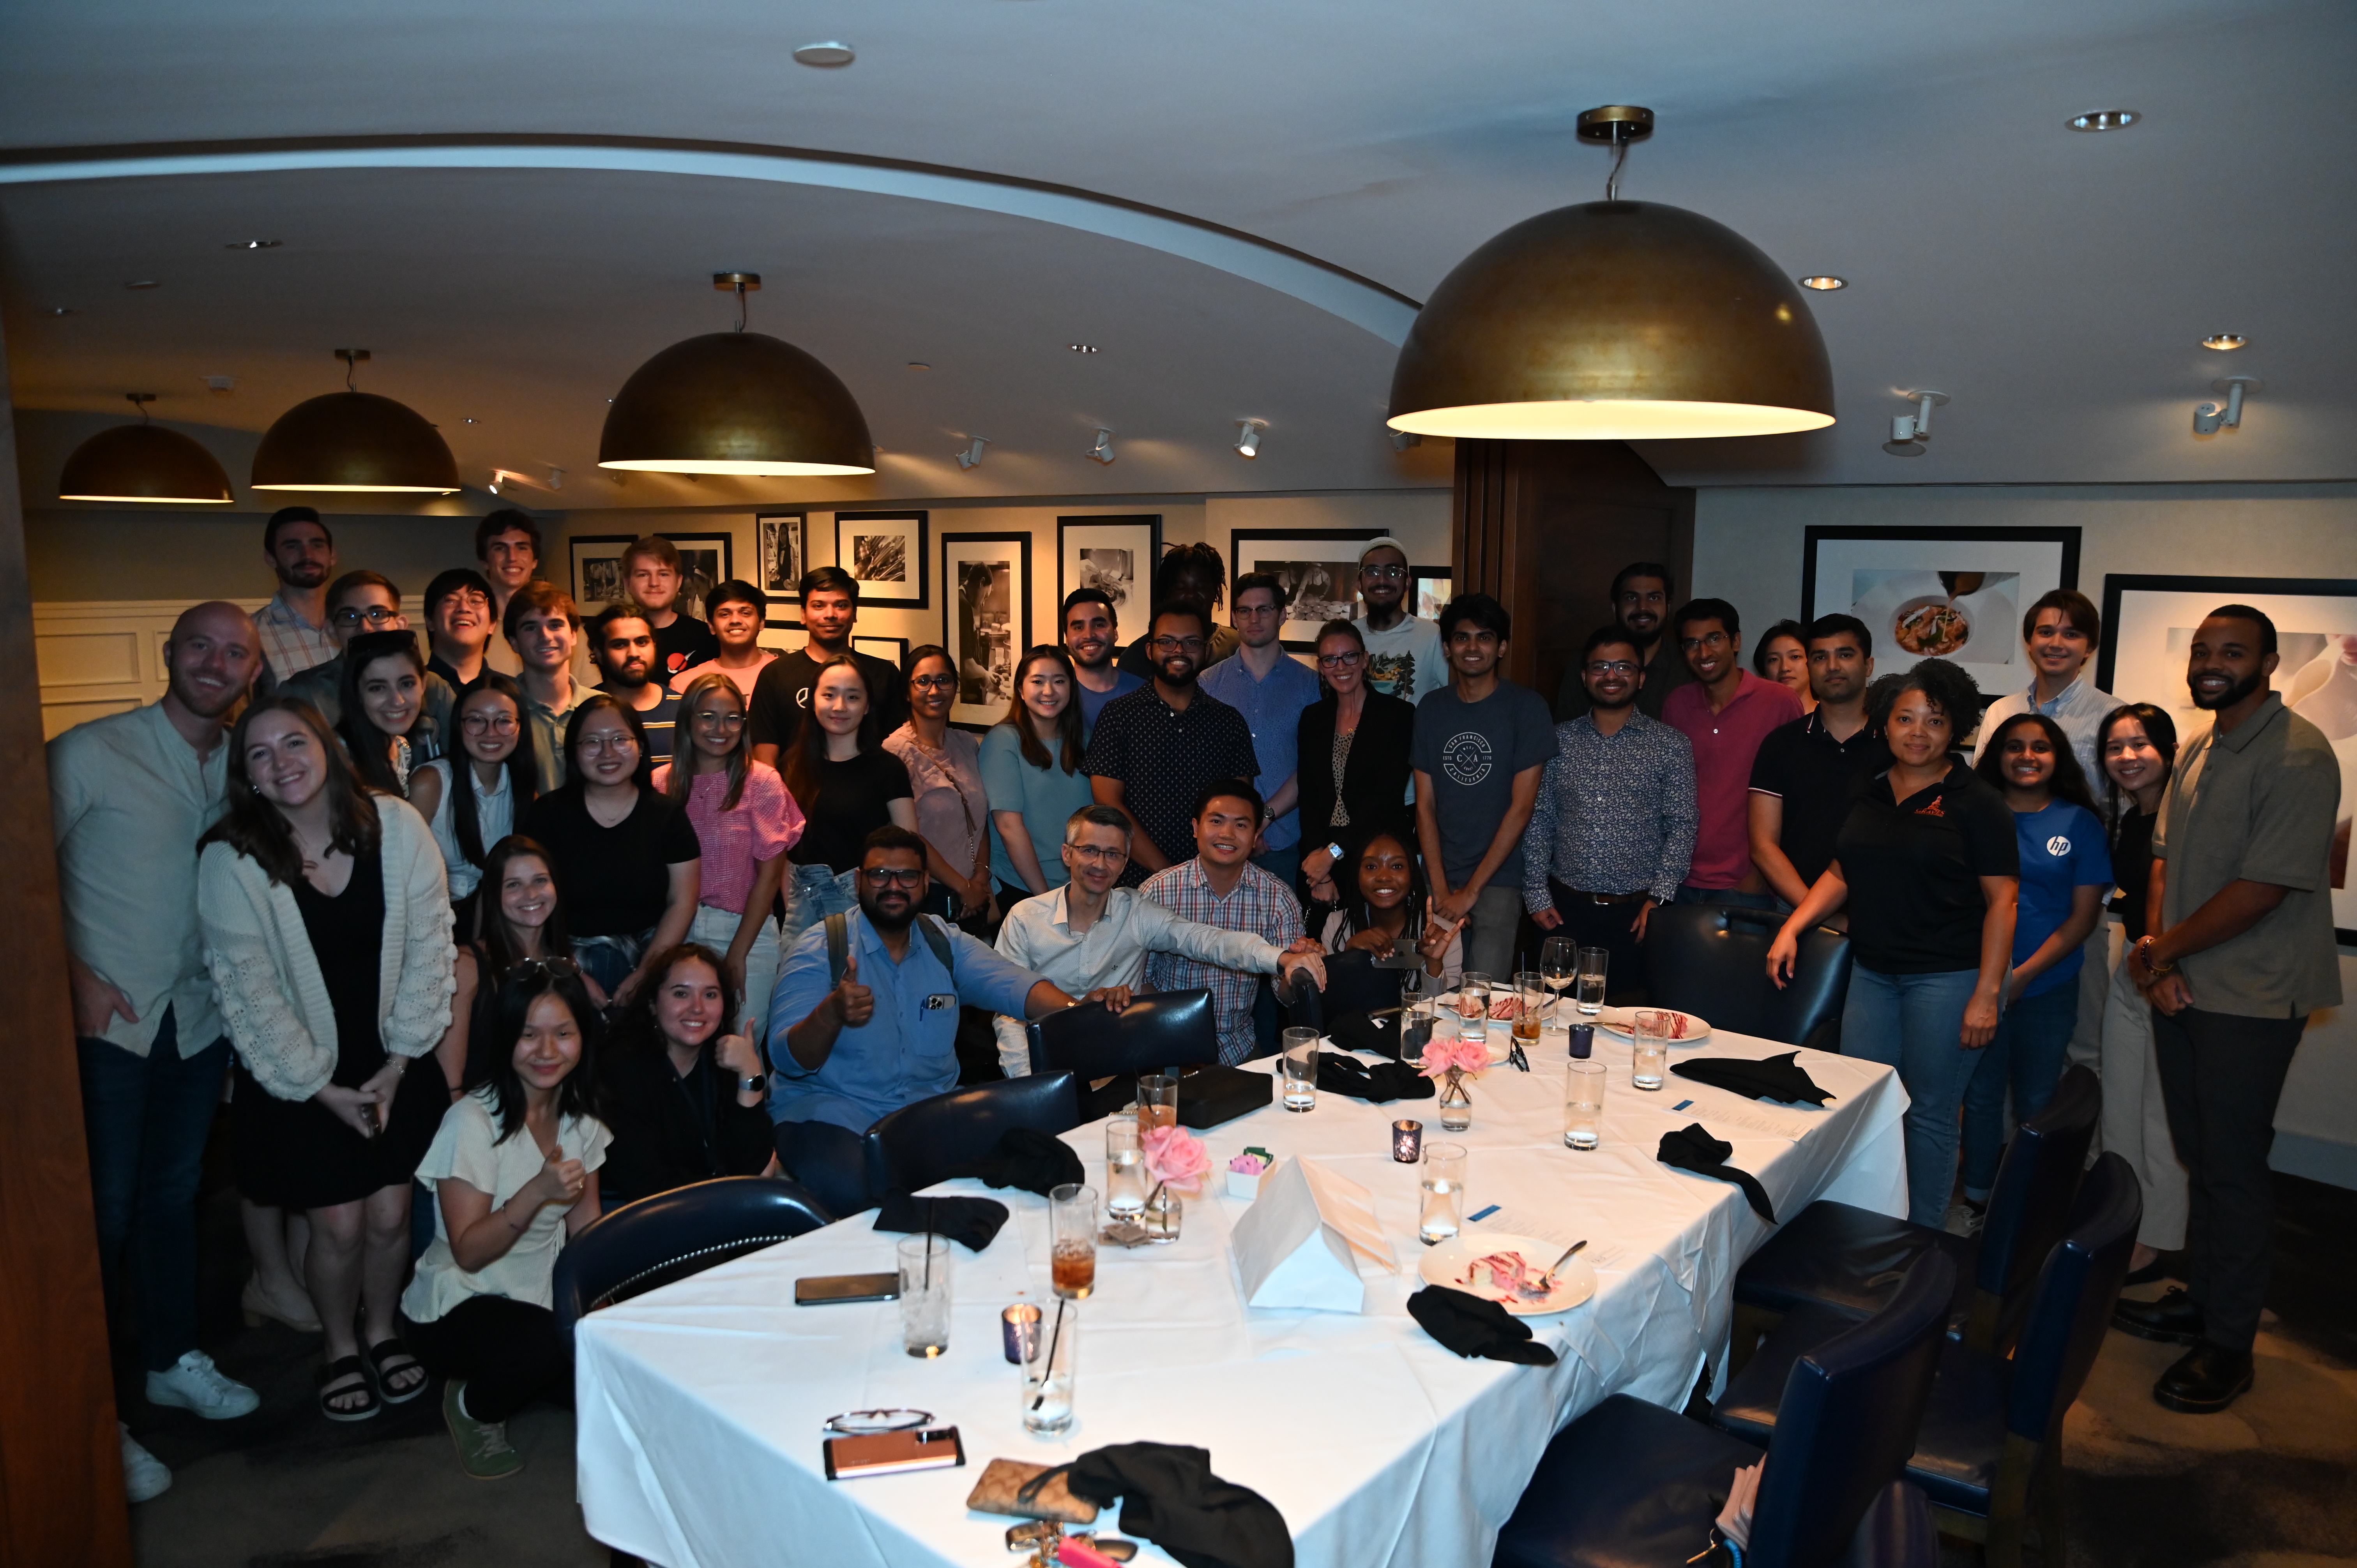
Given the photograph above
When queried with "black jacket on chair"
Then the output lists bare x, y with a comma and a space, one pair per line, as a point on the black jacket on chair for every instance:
1374, 781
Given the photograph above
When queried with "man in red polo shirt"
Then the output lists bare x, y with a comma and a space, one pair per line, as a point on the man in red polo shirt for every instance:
1726, 714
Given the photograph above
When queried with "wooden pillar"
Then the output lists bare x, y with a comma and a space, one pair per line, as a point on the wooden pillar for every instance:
61, 1460
1544, 526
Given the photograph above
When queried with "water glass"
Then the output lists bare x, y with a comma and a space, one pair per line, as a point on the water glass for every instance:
1444, 1193
1473, 1008
1051, 1355
925, 1294
1530, 1010
1651, 1058
1125, 1168
1594, 964
1558, 962
1073, 1254
1299, 1065
1158, 1100
1583, 1104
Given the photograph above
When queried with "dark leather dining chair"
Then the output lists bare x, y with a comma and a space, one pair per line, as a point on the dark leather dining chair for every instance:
1989, 1453
1157, 1031
672, 1235
1712, 960
1849, 1260
1353, 984
921, 1143
1630, 1482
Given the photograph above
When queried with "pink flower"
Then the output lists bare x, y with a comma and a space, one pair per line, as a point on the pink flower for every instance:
1460, 1055
1177, 1158
1248, 1164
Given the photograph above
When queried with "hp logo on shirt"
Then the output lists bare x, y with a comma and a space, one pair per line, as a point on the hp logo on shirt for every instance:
2057, 846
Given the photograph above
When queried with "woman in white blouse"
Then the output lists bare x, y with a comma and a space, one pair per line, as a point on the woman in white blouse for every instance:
474, 806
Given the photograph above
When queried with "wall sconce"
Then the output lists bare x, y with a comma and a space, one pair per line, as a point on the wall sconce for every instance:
2209, 418
1248, 436
972, 456
1103, 450
503, 480
1910, 431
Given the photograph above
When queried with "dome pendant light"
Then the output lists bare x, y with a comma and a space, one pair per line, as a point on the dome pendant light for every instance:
736, 402
353, 440
143, 463
1614, 320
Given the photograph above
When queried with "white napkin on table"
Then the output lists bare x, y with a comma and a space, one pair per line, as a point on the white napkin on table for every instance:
1299, 1245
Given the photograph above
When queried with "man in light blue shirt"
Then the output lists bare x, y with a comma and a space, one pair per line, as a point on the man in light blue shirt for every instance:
884, 1034
1270, 688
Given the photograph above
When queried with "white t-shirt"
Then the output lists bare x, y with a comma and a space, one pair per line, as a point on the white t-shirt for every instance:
1406, 661
467, 1148
494, 819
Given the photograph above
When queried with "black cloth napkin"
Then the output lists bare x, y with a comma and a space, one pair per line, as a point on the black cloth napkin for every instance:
973, 1220
1475, 1325
1383, 1082
1170, 1497
1365, 1031
1776, 1078
1692, 1148
1028, 1158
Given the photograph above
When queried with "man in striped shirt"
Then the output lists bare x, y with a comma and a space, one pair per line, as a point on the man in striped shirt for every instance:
1221, 886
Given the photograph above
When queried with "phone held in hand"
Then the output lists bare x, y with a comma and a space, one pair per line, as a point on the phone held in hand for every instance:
888, 1453
820, 1290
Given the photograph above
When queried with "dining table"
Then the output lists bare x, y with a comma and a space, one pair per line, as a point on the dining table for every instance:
703, 1405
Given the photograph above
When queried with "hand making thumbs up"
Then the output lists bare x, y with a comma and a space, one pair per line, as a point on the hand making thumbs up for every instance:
854, 1003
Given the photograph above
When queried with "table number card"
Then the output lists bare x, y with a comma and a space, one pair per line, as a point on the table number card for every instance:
1301, 1244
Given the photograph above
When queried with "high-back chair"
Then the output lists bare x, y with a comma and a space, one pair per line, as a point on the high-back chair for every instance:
914, 1147
1353, 984
1712, 960
1159, 1030
639, 1246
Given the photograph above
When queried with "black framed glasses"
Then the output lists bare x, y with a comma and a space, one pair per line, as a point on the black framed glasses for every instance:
1612, 667
1384, 574
933, 682
540, 968
1340, 660
891, 876
375, 616
860, 1422
1179, 645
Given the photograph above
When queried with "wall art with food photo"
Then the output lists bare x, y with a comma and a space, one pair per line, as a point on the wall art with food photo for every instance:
1319, 569
886, 552
1956, 593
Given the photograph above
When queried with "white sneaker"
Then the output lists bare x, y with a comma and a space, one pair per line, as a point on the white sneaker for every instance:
144, 1475
195, 1384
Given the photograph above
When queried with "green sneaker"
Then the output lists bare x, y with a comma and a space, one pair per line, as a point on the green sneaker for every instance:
483, 1450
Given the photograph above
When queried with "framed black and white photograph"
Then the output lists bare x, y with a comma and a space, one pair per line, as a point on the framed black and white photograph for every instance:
598, 570
1429, 588
2148, 624
986, 620
1956, 593
781, 542
706, 561
886, 551
1318, 566
1115, 553
893, 650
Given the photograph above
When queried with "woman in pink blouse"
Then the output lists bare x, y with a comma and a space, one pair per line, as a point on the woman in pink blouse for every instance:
953, 807
745, 822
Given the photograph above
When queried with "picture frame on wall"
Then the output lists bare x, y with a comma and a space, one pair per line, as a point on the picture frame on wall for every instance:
986, 621
1118, 554
782, 635
781, 546
1429, 589
1318, 566
885, 551
1956, 593
893, 650
706, 561
2148, 624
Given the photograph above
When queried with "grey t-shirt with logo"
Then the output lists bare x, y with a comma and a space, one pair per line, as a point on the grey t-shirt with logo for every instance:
1472, 751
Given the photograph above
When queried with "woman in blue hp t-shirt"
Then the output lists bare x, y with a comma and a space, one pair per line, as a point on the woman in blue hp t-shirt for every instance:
2066, 873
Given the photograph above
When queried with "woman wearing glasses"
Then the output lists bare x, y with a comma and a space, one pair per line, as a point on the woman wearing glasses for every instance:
1354, 759
945, 777
848, 786
625, 857
471, 796
1031, 770
517, 923
746, 822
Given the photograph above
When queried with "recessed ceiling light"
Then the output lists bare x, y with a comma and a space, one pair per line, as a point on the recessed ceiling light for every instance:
470, 419
144, 282
1824, 281
255, 244
826, 55
62, 310
1084, 348
2105, 120
2225, 342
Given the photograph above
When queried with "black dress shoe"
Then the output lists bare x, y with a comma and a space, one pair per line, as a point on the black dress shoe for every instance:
2205, 1381
2151, 1274
2173, 1319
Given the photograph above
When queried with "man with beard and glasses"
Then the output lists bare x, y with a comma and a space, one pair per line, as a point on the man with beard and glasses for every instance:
2240, 951
131, 794
1641, 602
781, 694
872, 1026
1152, 752
359, 603
1193, 573
1807, 772
1614, 827
293, 625
1403, 654
1093, 637
623, 643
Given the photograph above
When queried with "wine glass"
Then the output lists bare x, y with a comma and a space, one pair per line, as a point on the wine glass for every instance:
1558, 962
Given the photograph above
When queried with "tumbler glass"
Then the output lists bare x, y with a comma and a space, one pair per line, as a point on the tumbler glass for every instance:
1052, 1355
1651, 1055
1073, 1211
1299, 1067
1594, 964
1158, 1100
925, 1295
1473, 1008
1530, 1010
1583, 1104
1125, 1168
1444, 1193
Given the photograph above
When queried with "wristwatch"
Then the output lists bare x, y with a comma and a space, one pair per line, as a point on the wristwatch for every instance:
757, 1084
1334, 848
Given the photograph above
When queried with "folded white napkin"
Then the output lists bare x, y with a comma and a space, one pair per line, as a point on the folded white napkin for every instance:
1300, 1245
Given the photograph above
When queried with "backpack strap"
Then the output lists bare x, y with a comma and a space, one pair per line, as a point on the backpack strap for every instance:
939, 941
838, 948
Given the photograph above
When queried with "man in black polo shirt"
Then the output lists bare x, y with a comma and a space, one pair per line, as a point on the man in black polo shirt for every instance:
1153, 751
1809, 771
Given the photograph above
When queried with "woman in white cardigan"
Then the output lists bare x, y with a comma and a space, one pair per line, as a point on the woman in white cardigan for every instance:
326, 925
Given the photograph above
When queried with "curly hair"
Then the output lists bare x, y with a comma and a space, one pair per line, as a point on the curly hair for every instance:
1952, 692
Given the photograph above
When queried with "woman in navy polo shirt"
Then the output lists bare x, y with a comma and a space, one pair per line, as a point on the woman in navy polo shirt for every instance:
1927, 863
2066, 869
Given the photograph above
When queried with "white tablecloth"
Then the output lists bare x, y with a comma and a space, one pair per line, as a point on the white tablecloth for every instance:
700, 1404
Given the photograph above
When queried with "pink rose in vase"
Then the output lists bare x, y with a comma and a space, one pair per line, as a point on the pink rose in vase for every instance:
1177, 1159
1446, 1059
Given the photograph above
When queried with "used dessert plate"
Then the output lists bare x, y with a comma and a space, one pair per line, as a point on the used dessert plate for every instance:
1623, 1021
1480, 1263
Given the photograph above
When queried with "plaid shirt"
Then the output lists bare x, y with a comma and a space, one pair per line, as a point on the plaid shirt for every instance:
1259, 904
290, 644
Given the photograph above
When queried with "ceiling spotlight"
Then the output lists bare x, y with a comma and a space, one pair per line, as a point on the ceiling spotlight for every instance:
1910, 431
1248, 436
972, 456
2105, 120
1824, 283
1084, 348
1103, 450
1404, 439
2225, 342
255, 244
62, 310
221, 386
826, 55
2209, 418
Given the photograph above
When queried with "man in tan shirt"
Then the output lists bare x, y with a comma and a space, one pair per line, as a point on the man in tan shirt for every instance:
2240, 953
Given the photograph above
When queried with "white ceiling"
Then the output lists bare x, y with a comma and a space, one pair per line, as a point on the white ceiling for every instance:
2055, 283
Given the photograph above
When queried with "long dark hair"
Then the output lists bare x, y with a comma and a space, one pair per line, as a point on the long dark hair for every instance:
682, 778
2158, 728
523, 765
1358, 915
1069, 729
2068, 782
254, 827
810, 740
490, 1057
492, 935
634, 1028
371, 747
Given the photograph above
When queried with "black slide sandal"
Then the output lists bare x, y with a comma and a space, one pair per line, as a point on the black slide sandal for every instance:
403, 1365
335, 1373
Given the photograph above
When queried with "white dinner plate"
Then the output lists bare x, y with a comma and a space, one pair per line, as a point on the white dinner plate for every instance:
1452, 1264
1622, 1021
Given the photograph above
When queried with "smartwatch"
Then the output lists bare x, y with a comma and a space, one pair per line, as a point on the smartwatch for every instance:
757, 1084
1334, 848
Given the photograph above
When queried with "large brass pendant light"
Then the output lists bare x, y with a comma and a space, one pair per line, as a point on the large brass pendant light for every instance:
1614, 320
353, 440
736, 402
143, 463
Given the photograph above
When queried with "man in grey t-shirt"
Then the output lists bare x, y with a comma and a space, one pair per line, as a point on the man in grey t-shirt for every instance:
1480, 746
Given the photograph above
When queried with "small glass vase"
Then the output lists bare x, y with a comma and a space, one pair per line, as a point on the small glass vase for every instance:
1455, 1105
1161, 1217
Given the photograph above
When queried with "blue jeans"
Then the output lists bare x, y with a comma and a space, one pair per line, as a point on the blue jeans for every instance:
831, 1160
812, 893
147, 1122
2033, 1037
1915, 1022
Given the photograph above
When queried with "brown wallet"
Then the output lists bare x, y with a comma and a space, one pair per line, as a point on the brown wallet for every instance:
1002, 1488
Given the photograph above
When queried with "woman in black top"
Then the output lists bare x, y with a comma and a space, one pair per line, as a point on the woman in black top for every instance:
848, 786
627, 860
685, 1097
1929, 865
1355, 755
2139, 746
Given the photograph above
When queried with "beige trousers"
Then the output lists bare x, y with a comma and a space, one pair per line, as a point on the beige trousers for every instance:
2136, 1123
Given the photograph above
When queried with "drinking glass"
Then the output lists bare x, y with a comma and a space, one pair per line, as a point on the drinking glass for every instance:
1158, 1100
1650, 1057
1073, 1211
1300, 1068
925, 1295
1558, 962
1444, 1193
1049, 1359
1529, 994
1473, 1008
1125, 1168
1594, 964
1583, 1104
